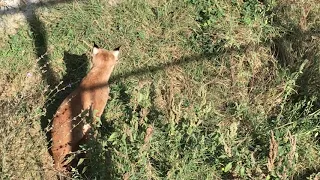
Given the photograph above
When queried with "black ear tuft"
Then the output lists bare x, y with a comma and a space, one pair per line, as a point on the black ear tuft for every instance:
95, 45
117, 49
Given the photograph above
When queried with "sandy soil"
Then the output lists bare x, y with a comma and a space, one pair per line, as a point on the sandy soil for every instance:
13, 13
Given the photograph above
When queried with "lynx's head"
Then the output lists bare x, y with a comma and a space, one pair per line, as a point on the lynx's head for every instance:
102, 58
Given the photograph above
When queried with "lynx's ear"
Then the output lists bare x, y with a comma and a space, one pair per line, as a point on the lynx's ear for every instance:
95, 49
116, 52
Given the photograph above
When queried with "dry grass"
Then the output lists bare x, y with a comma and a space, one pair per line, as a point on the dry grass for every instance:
205, 89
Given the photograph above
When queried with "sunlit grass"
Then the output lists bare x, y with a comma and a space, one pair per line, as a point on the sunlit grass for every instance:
204, 89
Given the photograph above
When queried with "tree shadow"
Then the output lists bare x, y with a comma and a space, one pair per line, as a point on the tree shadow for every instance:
41, 47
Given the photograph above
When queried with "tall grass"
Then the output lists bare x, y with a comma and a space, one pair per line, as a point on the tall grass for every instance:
204, 90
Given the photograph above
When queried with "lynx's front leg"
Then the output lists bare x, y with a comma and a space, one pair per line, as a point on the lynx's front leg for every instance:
96, 109
99, 103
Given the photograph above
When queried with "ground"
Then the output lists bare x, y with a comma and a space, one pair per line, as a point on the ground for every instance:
203, 90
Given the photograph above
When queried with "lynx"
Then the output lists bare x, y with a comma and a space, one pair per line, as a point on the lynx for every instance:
68, 128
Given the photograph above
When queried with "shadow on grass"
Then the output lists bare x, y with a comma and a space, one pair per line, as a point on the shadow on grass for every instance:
305, 174
298, 45
40, 42
292, 49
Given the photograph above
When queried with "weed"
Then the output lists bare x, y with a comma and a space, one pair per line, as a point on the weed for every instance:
204, 89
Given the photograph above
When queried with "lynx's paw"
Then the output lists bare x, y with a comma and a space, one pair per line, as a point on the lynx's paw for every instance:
86, 129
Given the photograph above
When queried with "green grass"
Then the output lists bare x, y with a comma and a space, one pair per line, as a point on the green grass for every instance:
204, 90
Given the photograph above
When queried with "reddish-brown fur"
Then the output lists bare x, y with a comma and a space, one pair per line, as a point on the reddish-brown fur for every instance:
92, 94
